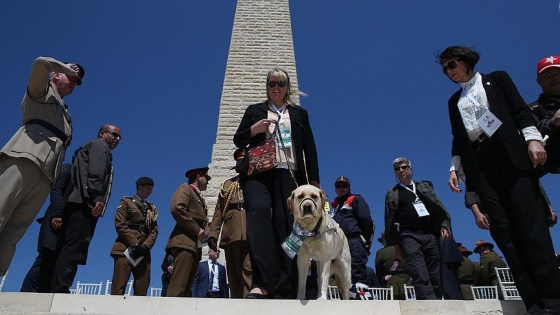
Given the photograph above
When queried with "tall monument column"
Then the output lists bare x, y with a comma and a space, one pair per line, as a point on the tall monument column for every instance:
261, 40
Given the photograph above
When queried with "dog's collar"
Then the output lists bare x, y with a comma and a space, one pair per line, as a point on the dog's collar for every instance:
301, 231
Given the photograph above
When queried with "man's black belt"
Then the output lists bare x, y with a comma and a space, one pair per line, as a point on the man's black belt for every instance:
52, 128
214, 294
236, 206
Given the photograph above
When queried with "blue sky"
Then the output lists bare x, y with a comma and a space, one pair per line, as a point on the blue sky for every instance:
374, 91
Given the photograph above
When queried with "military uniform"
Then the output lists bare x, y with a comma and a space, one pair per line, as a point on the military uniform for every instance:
32, 156
229, 217
467, 276
189, 210
487, 274
391, 271
136, 224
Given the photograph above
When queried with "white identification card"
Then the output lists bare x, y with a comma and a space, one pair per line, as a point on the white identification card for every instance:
489, 123
420, 208
286, 137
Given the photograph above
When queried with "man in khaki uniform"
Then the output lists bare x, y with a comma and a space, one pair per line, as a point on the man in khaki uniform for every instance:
467, 273
488, 260
137, 230
229, 217
31, 160
189, 210
391, 269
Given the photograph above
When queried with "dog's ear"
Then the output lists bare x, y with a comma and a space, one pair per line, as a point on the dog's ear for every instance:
290, 203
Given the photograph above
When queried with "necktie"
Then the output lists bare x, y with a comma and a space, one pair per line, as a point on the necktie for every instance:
213, 264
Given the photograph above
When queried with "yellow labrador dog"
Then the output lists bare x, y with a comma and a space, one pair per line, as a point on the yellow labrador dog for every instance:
327, 244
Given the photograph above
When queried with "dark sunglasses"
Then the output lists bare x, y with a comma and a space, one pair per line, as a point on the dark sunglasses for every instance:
450, 66
401, 168
114, 134
272, 84
341, 185
549, 74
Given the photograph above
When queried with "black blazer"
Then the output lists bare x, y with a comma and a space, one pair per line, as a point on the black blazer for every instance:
302, 138
48, 238
507, 104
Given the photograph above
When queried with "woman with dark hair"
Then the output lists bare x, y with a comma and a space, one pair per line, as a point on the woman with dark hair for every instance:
265, 194
498, 148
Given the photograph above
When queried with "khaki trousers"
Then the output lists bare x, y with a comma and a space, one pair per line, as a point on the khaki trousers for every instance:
185, 267
238, 268
24, 189
121, 275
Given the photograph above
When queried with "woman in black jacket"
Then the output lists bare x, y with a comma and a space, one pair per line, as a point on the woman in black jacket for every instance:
265, 194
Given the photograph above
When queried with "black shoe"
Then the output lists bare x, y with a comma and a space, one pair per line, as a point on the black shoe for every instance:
257, 296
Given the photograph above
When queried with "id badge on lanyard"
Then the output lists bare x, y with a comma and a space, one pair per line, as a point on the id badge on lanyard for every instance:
489, 123
283, 127
486, 120
418, 204
420, 208
286, 136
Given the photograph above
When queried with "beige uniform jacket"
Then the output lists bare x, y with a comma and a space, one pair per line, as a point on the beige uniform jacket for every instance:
231, 213
132, 226
189, 211
42, 102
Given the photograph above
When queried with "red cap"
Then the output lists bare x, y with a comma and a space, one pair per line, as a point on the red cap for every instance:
480, 243
464, 251
198, 171
548, 62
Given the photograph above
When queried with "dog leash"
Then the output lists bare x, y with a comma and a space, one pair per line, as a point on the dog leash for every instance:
278, 136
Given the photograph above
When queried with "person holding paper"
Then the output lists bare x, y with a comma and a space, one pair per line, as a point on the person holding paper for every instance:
137, 230
501, 164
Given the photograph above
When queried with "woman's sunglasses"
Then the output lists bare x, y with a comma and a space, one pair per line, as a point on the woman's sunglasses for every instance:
272, 84
450, 66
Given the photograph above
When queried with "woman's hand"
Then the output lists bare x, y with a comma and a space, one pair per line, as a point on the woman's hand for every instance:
480, 218
454, 182
261, 126
537, 153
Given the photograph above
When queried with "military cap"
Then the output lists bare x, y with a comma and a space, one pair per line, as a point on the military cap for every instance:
81, 72
464, 251
144, 180
342, 179
482, 243
198, 171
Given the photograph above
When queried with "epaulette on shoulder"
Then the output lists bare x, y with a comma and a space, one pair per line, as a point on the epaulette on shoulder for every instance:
128, 197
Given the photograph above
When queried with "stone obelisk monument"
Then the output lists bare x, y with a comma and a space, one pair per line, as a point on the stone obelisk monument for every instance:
261, 40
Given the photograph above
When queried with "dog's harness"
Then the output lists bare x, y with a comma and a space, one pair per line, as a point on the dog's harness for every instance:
331, 225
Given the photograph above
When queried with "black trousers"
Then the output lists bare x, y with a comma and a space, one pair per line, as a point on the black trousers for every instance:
359, 260
268, 225
514, 205
73, 246
422, 263
39, 276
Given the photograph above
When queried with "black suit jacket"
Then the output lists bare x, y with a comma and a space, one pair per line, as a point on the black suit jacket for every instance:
48, 237
507, 104
91, 172
302, 138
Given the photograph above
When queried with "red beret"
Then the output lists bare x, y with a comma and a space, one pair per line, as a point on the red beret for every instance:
481, 243
196, 171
